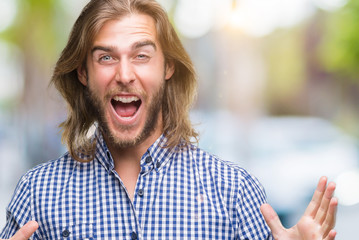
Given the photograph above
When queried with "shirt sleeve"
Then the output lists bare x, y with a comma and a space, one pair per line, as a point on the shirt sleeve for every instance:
18, 210
250, 221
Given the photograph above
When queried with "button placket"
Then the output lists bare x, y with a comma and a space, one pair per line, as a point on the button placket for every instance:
140, 201
140, 191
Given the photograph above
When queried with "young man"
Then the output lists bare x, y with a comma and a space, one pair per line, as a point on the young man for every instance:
138, 176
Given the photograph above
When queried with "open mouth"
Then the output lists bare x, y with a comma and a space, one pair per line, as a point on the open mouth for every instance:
126, 106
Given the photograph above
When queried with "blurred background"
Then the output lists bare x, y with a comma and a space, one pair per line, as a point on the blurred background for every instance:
278, 91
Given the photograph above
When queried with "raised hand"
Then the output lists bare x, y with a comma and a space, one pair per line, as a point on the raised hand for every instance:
26, 231
318, 221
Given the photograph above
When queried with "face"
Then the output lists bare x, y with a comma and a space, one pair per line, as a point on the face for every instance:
125, 76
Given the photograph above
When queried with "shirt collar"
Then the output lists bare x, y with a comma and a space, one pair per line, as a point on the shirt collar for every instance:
102, 154
156, 156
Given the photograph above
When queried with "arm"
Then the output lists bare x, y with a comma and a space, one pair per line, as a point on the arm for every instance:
249, 220
318, 221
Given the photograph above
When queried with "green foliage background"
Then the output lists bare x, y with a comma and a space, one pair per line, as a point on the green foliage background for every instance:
340, 46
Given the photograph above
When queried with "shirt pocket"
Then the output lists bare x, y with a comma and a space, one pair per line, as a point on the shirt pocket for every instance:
79, 231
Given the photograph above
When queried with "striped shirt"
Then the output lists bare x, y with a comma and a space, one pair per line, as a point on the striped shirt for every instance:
181, 193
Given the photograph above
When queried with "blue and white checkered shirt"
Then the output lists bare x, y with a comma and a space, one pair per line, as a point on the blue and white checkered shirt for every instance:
180, 194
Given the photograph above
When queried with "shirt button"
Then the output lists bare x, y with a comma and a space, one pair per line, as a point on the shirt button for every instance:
133, 235
140, 192
66, 233
158, 164
148, 160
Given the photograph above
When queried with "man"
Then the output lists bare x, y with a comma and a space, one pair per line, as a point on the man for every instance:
138, 176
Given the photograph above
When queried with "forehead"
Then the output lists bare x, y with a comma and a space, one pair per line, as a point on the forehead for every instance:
126, 30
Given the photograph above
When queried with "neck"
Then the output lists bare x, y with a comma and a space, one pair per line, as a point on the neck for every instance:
127, 159
131, 153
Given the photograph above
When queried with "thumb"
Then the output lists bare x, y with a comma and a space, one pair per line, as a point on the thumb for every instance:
272, 219
26, 231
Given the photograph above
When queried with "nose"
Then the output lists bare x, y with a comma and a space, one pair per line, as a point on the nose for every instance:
125, 72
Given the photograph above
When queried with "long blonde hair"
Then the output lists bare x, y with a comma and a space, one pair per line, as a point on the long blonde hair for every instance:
180, 90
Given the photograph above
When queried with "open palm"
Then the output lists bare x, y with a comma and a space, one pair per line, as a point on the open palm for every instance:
318, 221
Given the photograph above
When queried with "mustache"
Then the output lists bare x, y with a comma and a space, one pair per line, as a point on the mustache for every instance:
124, 89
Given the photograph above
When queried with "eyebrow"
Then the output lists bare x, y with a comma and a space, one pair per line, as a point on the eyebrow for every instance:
135, 46
140, 44
102, 48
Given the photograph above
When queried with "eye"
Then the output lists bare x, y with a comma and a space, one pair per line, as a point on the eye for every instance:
106, 58
142, 56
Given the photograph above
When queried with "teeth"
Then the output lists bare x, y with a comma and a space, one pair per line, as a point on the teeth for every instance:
126, 99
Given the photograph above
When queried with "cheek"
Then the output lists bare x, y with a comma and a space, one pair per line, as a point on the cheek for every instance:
152, 78
152, 87
99, 82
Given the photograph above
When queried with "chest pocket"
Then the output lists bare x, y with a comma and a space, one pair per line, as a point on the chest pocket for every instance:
79, 231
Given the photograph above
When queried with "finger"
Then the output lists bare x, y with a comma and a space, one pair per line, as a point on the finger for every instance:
26, 231
272, 219
329, 222
314, 204
331, 236
324, 205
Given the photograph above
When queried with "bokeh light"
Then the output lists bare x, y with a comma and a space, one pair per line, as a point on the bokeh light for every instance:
7, 13
348, 187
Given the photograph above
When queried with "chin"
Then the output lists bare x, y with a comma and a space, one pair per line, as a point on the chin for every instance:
122, 140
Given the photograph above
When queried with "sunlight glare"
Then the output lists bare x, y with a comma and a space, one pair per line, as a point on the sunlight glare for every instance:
261, 17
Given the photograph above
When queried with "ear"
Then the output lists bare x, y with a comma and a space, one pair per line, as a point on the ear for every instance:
82, 75
170, 69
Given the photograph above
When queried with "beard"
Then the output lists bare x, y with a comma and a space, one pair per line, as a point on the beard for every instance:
154, 109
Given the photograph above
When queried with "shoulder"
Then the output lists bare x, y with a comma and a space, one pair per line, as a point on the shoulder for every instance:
57, 166
40, 176
226, 170
61, 166
226, 175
